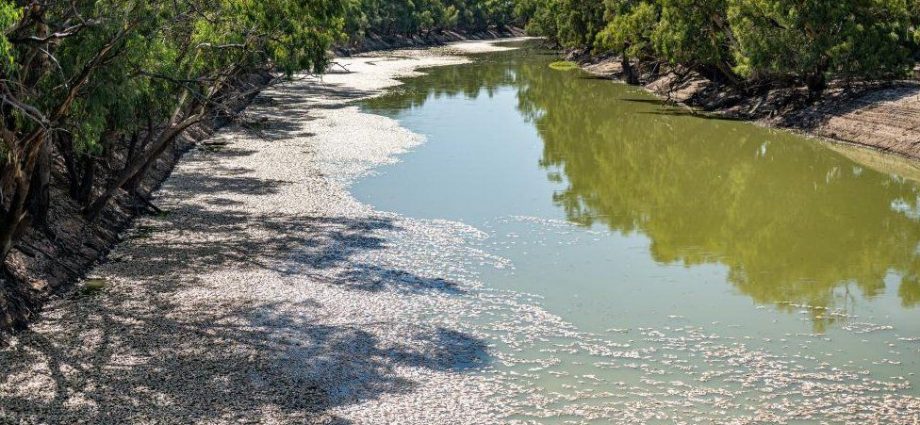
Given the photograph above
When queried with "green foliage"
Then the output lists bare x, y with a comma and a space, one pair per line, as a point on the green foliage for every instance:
407, 17
125, 78
563, 66
572, 23
540, 16
914, 12
695, 32
630, 28
740, 41
162, 53
855, 38
578, 22
9, 14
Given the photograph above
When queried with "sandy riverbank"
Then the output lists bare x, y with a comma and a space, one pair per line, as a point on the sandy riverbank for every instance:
268, 294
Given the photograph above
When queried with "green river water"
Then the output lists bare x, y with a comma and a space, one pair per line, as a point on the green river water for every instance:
654, 226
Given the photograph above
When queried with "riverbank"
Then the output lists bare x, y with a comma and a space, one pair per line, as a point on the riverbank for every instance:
48, 259
265, 292
882, 116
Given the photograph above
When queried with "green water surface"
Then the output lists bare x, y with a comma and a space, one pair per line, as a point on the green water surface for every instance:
623, 213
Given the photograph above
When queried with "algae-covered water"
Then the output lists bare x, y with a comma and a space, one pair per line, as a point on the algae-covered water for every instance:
734, 273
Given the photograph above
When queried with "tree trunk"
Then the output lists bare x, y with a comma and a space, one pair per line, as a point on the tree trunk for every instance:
13, 216
81, 169
816, 83
134, 169
11, 225
628, 71
727, 74
133, 184
87, 177
65, 148
39, 198
817, 80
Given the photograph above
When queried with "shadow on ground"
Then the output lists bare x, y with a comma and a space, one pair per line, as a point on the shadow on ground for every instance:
116, 362
143, 350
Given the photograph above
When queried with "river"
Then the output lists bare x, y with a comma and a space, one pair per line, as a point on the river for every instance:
735, 273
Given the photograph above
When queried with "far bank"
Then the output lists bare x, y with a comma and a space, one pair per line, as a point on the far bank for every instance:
880, 115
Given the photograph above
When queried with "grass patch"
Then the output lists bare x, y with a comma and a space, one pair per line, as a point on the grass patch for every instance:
563, 65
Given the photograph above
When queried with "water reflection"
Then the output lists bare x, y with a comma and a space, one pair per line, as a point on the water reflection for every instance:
794, 222
470, 81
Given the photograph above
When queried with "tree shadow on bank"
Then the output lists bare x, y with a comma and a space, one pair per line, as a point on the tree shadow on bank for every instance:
168, 341
844, 101
119, 364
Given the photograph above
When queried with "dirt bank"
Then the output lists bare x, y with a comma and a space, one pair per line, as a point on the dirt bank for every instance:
883, 116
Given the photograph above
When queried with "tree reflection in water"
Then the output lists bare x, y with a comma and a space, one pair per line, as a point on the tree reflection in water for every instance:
794, 222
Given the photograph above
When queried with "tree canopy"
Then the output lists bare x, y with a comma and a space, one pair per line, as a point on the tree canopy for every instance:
102, 88
83, 78
742, 41
410, 17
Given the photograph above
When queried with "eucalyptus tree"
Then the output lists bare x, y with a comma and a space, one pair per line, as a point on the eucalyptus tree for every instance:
629, 32
85, 78
410, 17
571, 23
578, 22
44, 83
540, 16
812, 40
225, 43
697, 34
743, 42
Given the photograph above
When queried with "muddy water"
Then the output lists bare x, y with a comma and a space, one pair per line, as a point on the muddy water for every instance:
734, 273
